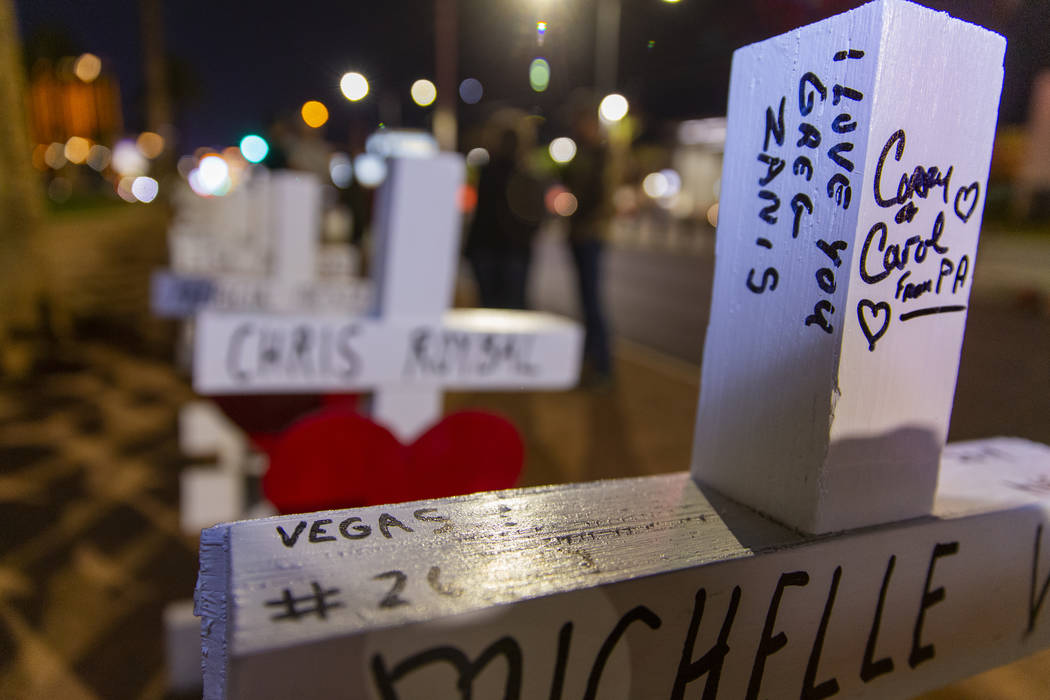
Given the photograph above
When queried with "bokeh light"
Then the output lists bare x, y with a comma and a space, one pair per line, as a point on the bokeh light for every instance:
98, 157
150, 144
560, 201
76, 149
55, 156
314, 113
539, 74
87, 67
655, 185
370, 169
194, 179
712, 214
674, 181
254, 148
471, 91
562, 149
551, 194
613, 108
565, 204
201, 185
127, 160
213, 172
423, 92
663, 184
468, 198
124, 188
341, 170
477, 157
354, 86
144, 189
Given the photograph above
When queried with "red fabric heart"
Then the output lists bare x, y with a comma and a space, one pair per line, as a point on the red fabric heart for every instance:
337, 458
265, 417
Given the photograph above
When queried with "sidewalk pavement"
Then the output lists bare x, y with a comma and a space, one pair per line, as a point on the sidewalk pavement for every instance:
92, 552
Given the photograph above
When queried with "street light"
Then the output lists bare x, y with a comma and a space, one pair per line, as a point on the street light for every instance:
562, 149
254, 148
314, 113
423, 92
613, 108
539, 74
354, 86
471, 90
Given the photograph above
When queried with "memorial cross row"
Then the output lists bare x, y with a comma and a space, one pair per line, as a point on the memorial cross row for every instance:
856, 162
255, 248
413, 345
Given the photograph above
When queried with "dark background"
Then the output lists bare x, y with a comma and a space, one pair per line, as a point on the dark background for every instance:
236, 66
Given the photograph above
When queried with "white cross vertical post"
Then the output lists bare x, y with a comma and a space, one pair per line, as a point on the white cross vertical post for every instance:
855, 171
295, 224
417, 247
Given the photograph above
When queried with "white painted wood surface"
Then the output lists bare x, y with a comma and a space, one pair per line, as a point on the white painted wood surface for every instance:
205, 431
620, 589
463, 349
417, 226
209, 495
174, 295
215, 492
295, 227
854, 179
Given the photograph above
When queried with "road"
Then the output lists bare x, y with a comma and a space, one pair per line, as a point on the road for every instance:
659, 295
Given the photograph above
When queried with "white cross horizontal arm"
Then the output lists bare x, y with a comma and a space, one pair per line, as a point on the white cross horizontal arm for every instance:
463, 349
636, 588
174, 295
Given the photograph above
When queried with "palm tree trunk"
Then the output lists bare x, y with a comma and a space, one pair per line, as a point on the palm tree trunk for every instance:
20, 207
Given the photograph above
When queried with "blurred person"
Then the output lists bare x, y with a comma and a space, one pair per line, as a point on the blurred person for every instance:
508, 214
584, 176
278, 135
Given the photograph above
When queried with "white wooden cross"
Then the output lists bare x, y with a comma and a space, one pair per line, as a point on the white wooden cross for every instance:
658, 586
412, 346
255, 248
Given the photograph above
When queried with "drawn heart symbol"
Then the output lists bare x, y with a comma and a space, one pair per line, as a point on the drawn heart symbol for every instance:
961, 198
337, 458
874, 310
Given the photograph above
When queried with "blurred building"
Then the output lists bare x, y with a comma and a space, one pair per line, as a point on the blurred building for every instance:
73, 97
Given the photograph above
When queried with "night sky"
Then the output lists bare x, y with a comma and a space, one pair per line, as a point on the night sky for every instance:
236, 66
